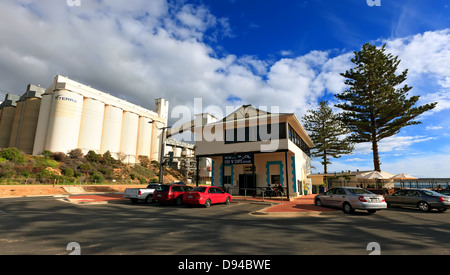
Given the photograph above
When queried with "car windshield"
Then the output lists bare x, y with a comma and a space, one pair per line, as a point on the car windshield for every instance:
163, 188
199, 189
359, 191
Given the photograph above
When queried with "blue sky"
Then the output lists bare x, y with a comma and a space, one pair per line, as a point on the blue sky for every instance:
282, 53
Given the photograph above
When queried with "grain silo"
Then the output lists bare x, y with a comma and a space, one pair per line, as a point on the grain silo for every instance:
42, 124
64, 124
8, 110
112, 127
26, 118
91, 125
144, 137
128, 142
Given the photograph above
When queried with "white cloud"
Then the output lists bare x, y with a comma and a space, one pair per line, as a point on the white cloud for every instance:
392, 144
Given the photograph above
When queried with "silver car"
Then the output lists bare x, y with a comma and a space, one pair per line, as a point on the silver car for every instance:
351, 198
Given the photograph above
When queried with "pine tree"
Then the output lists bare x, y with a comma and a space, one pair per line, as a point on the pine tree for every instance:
375, 105
327, 132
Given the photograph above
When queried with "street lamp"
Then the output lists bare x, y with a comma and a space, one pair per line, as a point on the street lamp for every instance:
163, 143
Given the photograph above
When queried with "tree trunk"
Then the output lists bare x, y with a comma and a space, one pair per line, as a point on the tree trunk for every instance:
376, 157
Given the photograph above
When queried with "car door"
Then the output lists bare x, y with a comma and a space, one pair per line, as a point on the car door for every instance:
338, 197
212, 194
326, 197
398, 198
412, 197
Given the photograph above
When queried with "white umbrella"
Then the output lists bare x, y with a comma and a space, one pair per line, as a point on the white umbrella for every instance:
403, 176
374, 175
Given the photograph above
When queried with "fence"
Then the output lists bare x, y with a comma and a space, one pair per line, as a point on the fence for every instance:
258, 192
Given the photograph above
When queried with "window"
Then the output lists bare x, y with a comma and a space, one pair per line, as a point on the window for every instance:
256, 133
297, 140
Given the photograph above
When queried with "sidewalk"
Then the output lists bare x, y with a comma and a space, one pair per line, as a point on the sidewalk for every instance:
302, 206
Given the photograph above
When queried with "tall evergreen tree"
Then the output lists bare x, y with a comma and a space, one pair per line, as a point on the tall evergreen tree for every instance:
327, 132
375, 105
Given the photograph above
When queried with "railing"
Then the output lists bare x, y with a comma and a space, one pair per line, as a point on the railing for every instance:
257, 192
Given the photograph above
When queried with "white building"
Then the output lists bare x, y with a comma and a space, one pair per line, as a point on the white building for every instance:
253, 149
70, 115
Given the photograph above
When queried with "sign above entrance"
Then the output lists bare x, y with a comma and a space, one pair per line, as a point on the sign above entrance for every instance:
240, 158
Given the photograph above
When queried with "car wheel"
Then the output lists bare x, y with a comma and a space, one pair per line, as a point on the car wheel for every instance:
227, 201
149, 199
318, 203
179, 201
207, 203
424, 207
348, 209
372, 211
442, 209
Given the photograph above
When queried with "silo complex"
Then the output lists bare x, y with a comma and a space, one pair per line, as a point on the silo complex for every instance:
69, 115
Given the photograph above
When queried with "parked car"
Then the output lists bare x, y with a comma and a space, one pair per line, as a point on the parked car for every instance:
351, 198
206, 195
424, 199
141, 194
172, 193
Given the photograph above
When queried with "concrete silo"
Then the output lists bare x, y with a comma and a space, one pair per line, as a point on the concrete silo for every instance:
91, 127
42, 125
144, 137
8, 111
112, 128
64, 123
27, 116
128, 142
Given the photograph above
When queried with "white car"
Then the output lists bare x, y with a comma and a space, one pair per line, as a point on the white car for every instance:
351, 198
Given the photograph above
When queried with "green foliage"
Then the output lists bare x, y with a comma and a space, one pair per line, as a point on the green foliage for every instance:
68, 172
376, 106
93, 167
12, 154
328, 134
96, 177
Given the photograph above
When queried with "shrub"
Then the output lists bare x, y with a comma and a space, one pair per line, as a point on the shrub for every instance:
96, 177
68, 172
12, 154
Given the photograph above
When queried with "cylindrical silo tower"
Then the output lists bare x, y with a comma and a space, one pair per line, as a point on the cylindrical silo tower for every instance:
42, 125
128, 143
112, 128
29, 118
144, 137
7, 118
91, 125
16, 123
64, 124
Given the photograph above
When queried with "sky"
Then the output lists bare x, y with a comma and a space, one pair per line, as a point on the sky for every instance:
284, 53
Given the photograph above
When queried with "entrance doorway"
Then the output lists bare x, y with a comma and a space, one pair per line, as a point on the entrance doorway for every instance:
247, 181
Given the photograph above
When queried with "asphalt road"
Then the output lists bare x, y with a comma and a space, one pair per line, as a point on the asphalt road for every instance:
47, 227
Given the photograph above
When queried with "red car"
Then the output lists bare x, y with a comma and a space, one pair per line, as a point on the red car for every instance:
170, 193
206, 195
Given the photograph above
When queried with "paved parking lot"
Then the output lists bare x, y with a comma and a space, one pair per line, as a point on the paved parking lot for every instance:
46, 226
